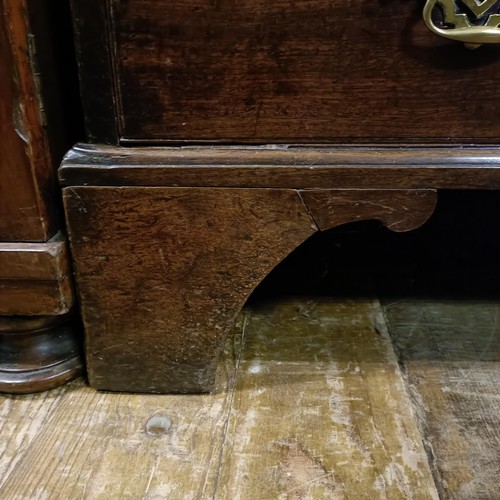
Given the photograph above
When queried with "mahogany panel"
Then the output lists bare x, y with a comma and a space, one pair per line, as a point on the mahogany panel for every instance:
295, 71
398, 210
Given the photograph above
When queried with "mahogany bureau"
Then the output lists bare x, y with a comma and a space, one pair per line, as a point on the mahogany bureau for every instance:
222, 134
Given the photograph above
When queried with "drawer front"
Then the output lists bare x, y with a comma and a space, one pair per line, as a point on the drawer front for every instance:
311, 71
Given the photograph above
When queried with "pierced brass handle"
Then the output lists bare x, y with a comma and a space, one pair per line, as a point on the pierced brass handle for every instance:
472, 22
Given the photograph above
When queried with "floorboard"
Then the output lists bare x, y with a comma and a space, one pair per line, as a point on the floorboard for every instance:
316, 398
321, 410
450, 354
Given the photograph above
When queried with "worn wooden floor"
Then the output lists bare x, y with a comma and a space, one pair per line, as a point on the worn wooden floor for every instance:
311, 402
327, 396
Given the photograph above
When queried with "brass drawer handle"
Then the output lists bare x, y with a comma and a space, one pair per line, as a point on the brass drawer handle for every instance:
472, 22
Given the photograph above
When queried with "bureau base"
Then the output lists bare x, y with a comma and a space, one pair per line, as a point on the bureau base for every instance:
163, 269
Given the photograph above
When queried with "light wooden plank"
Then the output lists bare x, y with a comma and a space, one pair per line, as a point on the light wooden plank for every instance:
78, 443
450, 351
321, 410
22, 419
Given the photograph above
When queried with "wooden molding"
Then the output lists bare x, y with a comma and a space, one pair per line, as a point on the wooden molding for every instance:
390, 167
35, 278
38, 353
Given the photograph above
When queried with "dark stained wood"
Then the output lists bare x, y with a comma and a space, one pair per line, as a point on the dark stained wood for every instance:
53, 59
34, 261
397, 210
93, 53
286, 71
38, 117
36, 297
39, 353
26, 172
169, 242
377, 167
163, 272
35, 278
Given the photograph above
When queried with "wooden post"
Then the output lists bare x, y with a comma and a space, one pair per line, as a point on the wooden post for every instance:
39, 341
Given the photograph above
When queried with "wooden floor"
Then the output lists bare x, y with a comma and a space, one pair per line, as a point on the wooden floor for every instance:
382, 384
311, 402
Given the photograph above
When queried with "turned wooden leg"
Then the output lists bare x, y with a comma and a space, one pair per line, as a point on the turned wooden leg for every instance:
163, 272
38, 353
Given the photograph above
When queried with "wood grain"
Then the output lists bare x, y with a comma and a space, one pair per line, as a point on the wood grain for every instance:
53, 61
376, 167
28, 297
39, 115
320, 409
302, 409
398, 210
93, 53
450, 353
163, 272
26, 206
35, 261
35, 278
115, 445
316, 71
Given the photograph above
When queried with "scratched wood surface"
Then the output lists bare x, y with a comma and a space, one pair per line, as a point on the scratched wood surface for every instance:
450, 352
310, 403
74, 442
26, 187
320, 409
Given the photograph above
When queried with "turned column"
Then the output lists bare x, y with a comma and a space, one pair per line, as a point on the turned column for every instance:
39, 339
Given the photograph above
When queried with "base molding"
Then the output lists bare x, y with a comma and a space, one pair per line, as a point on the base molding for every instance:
38, 353
35, 278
